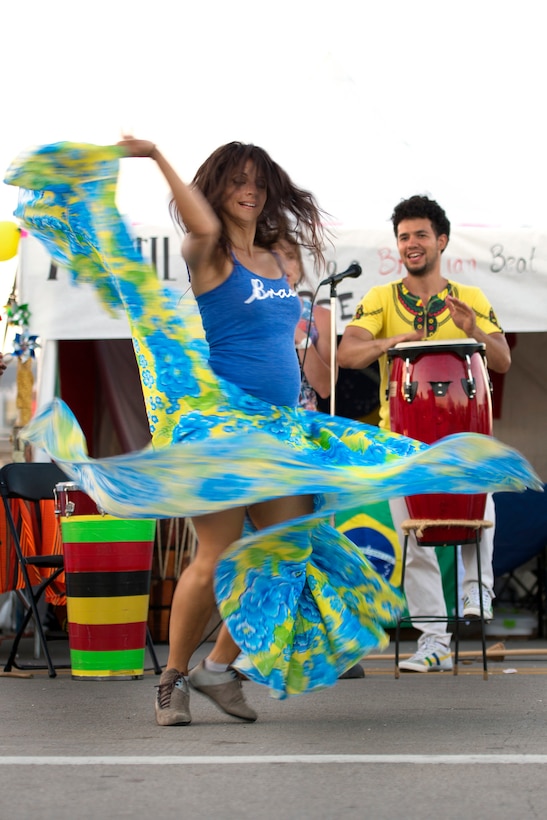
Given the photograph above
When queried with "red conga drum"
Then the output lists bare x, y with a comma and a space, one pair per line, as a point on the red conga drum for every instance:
108, 564
436, 389
70, 500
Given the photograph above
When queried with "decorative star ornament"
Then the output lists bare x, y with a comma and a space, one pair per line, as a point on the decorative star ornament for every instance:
25, 345
17, 314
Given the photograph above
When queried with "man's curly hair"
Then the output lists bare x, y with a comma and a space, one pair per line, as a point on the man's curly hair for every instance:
421, 207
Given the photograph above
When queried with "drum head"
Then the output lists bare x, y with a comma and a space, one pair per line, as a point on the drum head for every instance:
459, 347
67, 487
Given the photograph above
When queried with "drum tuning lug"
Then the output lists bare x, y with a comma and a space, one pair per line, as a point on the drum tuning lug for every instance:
469, 383
410, 390
470, 388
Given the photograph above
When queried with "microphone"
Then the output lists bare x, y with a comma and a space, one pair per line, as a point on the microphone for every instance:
354, 271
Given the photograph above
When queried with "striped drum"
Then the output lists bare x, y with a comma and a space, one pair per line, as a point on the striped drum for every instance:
108, 563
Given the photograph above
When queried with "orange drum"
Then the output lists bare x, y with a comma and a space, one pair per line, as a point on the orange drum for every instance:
436, 389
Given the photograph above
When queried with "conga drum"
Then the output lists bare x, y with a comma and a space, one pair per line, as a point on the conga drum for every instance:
108, 564
436, 389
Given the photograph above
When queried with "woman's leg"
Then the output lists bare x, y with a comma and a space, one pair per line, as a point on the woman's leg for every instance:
190, 610
267, 513
263, 515
193, 600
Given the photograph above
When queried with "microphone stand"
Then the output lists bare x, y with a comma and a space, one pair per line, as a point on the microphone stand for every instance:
333, 347
354, 271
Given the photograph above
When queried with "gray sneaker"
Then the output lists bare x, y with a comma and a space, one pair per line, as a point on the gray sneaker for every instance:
224, 689
172, 700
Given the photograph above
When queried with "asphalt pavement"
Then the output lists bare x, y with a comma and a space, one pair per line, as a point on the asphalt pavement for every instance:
421, 746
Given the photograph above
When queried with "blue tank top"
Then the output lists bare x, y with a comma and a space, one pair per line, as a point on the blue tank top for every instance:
249, 323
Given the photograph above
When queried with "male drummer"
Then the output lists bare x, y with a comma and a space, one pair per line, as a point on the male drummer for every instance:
426, 305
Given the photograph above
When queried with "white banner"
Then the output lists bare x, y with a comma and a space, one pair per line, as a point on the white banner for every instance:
510, 266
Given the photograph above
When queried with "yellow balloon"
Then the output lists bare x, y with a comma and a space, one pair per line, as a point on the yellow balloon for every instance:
9, 240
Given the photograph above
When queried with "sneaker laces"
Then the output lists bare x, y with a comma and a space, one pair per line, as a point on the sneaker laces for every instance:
235, 676
165, 689
429, 646
473, 595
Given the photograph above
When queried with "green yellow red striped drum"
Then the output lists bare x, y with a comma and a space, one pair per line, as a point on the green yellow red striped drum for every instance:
108, 563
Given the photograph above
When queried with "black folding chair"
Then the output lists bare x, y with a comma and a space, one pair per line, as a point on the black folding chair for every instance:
32, 483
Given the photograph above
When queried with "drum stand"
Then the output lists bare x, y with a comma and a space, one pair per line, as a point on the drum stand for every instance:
152, 652
418, 526
333, 348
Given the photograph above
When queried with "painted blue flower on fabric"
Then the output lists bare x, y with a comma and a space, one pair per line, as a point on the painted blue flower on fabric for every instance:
268, 610
172, 375
194, 427
147, 376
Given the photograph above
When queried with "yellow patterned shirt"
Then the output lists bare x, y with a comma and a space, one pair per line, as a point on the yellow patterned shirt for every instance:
390, 310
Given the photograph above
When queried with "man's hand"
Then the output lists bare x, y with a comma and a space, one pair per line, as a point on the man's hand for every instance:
462, 315
416, 336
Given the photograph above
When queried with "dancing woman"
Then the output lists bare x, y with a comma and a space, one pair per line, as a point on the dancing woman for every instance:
240, 203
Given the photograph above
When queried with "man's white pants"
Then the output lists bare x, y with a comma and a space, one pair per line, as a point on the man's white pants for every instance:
423, 580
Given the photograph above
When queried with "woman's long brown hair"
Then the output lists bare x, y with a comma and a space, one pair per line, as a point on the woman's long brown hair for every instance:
289, 211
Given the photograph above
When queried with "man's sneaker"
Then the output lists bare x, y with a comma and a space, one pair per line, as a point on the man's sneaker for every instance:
430, 657
472, 603
172, 700
224, 689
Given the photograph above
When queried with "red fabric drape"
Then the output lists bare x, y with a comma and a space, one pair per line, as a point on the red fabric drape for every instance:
99, 380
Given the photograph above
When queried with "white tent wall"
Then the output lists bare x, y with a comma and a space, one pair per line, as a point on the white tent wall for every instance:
523, 422
509, 265
46, 380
